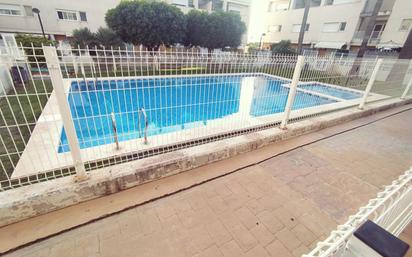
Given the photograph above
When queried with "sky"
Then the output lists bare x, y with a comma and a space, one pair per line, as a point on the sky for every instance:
257, 22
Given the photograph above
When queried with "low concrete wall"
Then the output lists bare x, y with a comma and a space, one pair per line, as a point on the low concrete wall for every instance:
29, 201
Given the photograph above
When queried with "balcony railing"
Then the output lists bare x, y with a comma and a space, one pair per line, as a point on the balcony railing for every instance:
374, 38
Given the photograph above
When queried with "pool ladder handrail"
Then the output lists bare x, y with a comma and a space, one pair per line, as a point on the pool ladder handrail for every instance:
142, 111
116, 139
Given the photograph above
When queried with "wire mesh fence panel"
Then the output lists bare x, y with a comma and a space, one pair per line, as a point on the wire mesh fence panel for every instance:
393, 77
127, 104
27, 123
330, 83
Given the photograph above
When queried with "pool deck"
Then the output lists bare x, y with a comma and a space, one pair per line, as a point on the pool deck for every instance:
40, 154
276, 207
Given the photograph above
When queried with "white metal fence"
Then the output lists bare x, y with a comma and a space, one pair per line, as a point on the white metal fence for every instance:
118, 105
391, 209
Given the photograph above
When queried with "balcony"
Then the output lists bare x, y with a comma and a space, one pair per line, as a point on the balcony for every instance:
374, 38
385, 10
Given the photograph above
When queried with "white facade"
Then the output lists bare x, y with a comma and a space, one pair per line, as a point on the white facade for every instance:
26, 21
60, 17
336, 24
399, 23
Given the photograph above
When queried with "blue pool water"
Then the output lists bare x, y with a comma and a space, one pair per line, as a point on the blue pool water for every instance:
336, 92
172, 104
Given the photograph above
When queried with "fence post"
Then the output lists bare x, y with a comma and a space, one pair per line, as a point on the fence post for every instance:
408, 87
56, 77
370, 83
292, 91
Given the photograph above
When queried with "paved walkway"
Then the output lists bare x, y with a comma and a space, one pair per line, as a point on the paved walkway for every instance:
280, 207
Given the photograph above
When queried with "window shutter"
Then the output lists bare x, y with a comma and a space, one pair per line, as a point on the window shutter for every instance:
28, 10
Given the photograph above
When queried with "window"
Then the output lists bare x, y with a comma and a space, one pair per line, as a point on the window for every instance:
334, 26
71, 15
28, 10
235, 11
10, 9
332, 2
377, 31
83, 16
342, 26
275, 28
190, 3
296, 28
314, 3
301, 3
278, 6
67, 15
405, 25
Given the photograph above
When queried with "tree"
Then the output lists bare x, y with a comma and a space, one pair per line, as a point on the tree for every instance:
283, 47
108, 38
83, 38
197, 28
215, 30
36, 55
149, 23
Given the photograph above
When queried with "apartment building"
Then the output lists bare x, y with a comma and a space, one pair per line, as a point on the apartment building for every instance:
60, 18
339, 24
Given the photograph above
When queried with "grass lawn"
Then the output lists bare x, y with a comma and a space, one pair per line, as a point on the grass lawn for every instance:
19, 110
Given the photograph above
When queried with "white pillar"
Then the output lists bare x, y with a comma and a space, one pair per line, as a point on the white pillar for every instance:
292, 91
370, 83
408, 87
53, 66
246, 95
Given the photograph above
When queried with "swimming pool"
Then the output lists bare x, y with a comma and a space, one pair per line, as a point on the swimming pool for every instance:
331, 90
173, 104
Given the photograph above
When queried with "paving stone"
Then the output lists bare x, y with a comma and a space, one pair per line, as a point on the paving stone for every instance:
257, 251
149, 221
200, 238
270, 221
304, 235
218, 232
248, 219
243, 237
277, 249
288, 239
286, 217
302, 249
262, 234
231, 249
211, 251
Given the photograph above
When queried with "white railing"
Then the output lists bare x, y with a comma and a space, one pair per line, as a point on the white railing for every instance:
119, 105
391, 209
